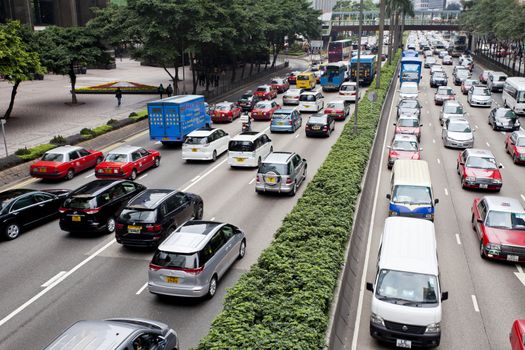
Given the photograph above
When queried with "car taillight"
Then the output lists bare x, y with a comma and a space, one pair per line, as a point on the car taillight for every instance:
91, 211
230, 114
325, 128
195, 271
307, 127
153, 227
120, 226
62, 210
290, 122
154, 267
353, 92
289, 181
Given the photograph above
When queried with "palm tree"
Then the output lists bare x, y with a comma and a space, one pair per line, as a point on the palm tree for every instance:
397, 9
381, 40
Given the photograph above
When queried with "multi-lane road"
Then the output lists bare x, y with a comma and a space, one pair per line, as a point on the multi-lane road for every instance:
485, 296
50, 278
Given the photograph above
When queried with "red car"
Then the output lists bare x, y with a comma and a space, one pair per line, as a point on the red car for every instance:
484, 76
280, 84
265, 92
499, 223
64, 162
444, 93
408, 125
263, 110
467, 84
337, 109
515, 146
226, 112
292, 77
477, 168
403, 147
126, 162
517, 335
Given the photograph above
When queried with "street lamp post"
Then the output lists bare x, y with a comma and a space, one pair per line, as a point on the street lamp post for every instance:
358, 70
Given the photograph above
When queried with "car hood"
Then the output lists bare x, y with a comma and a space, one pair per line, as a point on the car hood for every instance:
460, 136
45, 163
481, 98
483, 173
408, 111
503, 236
421, 316
261, 110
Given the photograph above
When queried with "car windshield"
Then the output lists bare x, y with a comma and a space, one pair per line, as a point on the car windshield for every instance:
470, 82
241, 146
520, 142
303, 77
279, 169
222, 107
408, 122
80, 203
502, 78
481, 91
409, 194
459, 127
116, 157
53, 157
333, 105
246, 96
193, 140
408, 104
307, 98
347, 87
262, 105
431, 60
262, 89
506, 114
506, 220
452, 109
445, 91
521, 97
409, 89
481, 162
277, 82
439, 75
406, 288
168, 259
402, 145
133, 215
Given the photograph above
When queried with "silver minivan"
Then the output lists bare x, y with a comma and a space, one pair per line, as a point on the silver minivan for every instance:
281, 172
191, 261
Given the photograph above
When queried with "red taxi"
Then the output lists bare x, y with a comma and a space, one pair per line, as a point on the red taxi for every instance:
226, 112
517, 335
263, 110
126, 162
515, 146
337, 109
408, 125
64, 162
477, 168
499, 223
292, 77
444, 93
265, 92
403, 147
280, 84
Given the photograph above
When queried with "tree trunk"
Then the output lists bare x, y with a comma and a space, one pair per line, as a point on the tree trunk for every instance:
275, 54
380, 44
172, 79
7, 113
396, 35
390, 37
193, 79
402, 30
242, 70
234, 71
176, 81
73, 80
251, 69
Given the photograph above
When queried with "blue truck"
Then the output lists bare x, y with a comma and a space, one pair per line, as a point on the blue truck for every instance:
172, 119
367, 67
410, 69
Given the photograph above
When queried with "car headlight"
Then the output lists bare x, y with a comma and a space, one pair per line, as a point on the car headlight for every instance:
393, 213
433, 328
517, 123
100, 170
378, 320
493, 246
429, 216
471, 178
499, 123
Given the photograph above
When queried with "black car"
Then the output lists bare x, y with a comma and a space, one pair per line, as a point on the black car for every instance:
153, 214
460, 75
504, 119
93, 207
248, 101
22, 208
438, 79
409, 106
320, 125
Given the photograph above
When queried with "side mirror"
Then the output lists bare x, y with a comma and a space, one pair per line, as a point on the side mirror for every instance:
436, 201
444, 296
420, 125
369, 286
304, 160
388, 196
500, 166
394, 124
420, 149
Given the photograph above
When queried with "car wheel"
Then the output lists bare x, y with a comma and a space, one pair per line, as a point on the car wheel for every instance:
294, 190
99, 160
472, 222
259, 161
110, 225
304, 174
515, 159
157, 162
133, 175
214, 155
481, 250
212, 287
70, 174
457, 168
242, 250
199, 211
12, 231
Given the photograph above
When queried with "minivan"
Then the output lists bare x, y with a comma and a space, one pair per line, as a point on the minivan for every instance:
191, 261
153, 214
306, 80
496, 81
93, 206
249, 149
281, 172
406, 303
411, 190
311, 101
286, 119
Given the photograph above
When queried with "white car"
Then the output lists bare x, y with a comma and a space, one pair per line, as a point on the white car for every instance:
436, 68
479, 96
249, 149
291, 96
408, 89
349, 91
311, 101
457, 133
205, 144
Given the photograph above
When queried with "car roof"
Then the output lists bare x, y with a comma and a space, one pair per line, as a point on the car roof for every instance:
519, 133
127, 149
459, 121
409, 83
149, 199
266, 86
190, 237
479, 152
95, 187
265, 102
247, 136
353, 83
202, 132
497, 73
64, 149
506, 204
405, 137
293, 90
452, 102
404, 116
309, 93
278, 157
411, 172
339, 102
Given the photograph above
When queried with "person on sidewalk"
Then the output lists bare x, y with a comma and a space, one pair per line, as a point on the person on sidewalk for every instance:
161, 90
169, 90
118, 95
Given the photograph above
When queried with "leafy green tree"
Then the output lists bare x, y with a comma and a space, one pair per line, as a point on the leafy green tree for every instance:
353, 6
453, 7
18, 59
64, 49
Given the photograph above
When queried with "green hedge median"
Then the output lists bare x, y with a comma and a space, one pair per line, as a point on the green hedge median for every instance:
284, 300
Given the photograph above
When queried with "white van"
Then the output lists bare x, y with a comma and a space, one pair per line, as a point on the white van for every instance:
311, 101
496, 81
249, 149
514, 94
408, 89
406, 305
205, 144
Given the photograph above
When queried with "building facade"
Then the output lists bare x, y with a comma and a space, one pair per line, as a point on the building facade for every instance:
423, 5
323, 5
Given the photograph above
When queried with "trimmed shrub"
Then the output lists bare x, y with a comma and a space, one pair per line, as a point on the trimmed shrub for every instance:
139, 116
284, 300
112, 122
34, 152
99, 130
58, 140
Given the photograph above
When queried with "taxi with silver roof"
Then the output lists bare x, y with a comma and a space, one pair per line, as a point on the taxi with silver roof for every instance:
477, 168
127, 162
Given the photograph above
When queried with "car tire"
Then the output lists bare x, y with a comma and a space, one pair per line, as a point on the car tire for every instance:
156, 162
70, 174
472, 222
214, 155
11, 231
199, 212
133, 175
481, 250
110, 225
259, 161
515, 159
242, 250
212, 287
99, 160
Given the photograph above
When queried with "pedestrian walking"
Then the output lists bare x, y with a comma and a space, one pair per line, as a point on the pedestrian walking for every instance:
161, 90
118, 95
169, 90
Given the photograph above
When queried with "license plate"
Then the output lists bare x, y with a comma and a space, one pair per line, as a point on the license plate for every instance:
165, 139
280, 123
134, 229
240, 160
194, 150
316, 127
271, 180
483, 186
76, 218
107, 171
514, 258
43, 170
402, 343
170, 279
306, 106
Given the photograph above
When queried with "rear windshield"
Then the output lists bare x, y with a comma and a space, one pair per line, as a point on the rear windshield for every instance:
80, 203
303, 77
128, 215
502, 78
281, 116
165, 259
116, 157
335, 105
445, 91
347, 88
192, 140
307, 98
451, 109
262, 89
241, 146
317, 120
405, 122
279, 169
53, 157
222, 108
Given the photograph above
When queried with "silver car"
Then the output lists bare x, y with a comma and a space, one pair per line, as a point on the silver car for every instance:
281, 172
479, 96
457, 133
291, 96
451, 109
191, 261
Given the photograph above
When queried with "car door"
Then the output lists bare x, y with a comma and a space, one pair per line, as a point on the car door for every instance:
462, 162
319, 101
24, 211
267, 145
136, 159
512, 144
298, 164
183, 207
444, 130
75, 161
47, 204
222, 141
230, 245
479, 217
147, 158
218, 261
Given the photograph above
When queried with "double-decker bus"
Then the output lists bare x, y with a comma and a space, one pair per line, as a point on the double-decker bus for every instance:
339, 50
459, 44
367, 68
333, 76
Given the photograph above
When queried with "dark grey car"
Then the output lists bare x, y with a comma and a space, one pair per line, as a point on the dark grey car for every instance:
504, 119
281, 172
116, 334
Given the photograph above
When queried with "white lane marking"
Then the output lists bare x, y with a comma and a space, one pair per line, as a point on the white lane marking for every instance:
475, 303
433, 140
522, 197
520, 275
142, 288
212, 219
143, 176
54, 284
195, 178
252, 180
477, 127
446, 192
439, 161
428, 111
53, 279
88, 176
429, 124
457, 239
488, 144
296, 136
503, 133
369, 241
204, 175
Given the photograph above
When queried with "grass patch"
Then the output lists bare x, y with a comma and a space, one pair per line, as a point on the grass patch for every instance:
34, 152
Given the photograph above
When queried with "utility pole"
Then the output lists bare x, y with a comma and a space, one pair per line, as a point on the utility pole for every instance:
358, 72
381, 40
